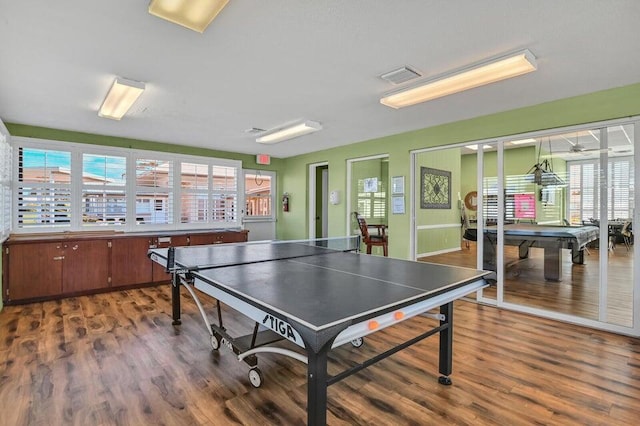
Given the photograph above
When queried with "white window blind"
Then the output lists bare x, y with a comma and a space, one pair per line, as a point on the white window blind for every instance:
44, 188
68, 186
194, 198
154, 191
224, 195
5, 185
584, 183
103, 190
372, 205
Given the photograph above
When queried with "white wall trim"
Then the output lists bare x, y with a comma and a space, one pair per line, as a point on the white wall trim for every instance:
434, 253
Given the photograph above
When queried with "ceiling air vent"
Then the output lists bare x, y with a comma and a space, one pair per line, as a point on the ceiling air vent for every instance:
254, 130
401, 75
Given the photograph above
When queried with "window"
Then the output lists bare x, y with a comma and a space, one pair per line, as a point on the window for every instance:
66, 186
583, 181
44, 188
259, 191
154, 191
224, 194
103, 190
372, 198
5, 184
194, 184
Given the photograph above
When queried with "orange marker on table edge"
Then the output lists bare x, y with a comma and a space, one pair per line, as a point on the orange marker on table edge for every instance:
373, 325
398, 315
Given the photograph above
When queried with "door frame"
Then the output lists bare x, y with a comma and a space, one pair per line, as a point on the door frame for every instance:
312, 197
349, 207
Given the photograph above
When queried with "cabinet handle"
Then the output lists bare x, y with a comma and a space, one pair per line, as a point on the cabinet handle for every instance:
58, 258
75, 247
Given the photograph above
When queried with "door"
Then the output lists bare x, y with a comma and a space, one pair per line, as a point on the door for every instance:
322, 189
260, 212
318, 197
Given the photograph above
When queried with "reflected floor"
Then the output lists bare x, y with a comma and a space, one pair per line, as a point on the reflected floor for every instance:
577, 294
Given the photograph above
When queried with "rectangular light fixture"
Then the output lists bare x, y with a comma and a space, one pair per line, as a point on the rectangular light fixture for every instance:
523, 141
193, 14
467, 78
290, 132
121, 96
475, 147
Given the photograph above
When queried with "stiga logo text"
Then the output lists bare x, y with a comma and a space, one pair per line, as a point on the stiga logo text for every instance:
279, 326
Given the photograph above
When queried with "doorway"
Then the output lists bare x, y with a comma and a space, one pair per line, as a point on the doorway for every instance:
318, 200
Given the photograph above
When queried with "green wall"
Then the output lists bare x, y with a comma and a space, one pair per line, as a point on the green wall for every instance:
444, 237
604, 105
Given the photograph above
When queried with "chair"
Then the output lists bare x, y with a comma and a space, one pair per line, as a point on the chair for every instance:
379, 239
468, 233
627, 234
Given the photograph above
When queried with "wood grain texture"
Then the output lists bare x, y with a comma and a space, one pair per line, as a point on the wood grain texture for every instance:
577, 294
115, 359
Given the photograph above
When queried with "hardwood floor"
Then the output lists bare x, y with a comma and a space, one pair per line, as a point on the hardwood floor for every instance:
577, 294
115, 359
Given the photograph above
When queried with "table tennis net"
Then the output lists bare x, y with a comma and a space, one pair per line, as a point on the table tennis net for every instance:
224, 255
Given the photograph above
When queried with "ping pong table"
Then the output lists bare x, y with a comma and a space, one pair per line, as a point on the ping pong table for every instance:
317, 295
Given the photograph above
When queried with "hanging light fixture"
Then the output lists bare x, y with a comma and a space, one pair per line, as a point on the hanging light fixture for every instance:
542, 171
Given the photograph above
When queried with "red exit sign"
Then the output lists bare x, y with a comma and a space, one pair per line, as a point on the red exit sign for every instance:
263, 159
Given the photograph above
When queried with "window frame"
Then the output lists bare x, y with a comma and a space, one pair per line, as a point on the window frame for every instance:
274, 206
6, 183
77, 150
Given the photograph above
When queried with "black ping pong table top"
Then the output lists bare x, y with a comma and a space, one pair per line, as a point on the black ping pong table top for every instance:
315, 286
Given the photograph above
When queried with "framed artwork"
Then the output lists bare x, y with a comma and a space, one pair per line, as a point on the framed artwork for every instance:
397, 204
397, 185
371, 184
435, 188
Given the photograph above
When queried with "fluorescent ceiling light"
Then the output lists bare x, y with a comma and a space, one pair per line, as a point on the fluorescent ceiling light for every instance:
474, 76
523, 141
121, 96
290, 132
475, 147
193, 14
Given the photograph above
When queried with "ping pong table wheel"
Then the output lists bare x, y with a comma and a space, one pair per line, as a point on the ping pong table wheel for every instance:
215, 342
357, 342
255, 377
444, 380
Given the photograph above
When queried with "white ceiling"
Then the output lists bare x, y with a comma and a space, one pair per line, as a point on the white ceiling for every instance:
266, 63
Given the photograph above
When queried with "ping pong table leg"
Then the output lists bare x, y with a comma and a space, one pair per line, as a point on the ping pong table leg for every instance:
175, 298
446, 344
317, 386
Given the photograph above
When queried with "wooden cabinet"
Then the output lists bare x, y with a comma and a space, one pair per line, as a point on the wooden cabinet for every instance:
159, 275
129, 262
33, 271
217, 238
85, 265
52, 265
47, 269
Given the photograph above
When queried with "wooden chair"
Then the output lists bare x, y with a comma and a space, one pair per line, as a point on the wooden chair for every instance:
379, 239
468, 233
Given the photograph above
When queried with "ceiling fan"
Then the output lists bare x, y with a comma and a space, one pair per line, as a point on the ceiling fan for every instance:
578, 150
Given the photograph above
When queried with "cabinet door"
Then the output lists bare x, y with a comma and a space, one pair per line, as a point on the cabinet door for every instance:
235, 236
86, 265
34, 270
129, 261
218, 237
201, 239
159, 275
